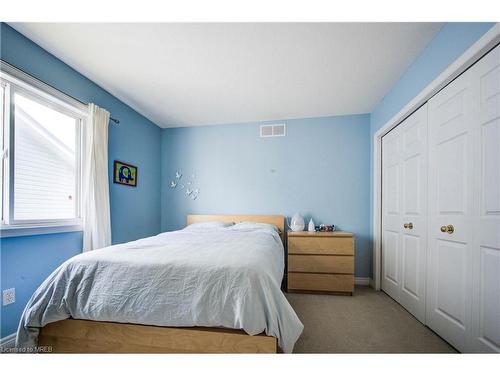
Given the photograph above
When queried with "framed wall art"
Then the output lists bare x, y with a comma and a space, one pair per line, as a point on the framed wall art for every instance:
124, 173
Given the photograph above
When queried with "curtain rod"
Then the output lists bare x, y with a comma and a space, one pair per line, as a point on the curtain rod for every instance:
116, 121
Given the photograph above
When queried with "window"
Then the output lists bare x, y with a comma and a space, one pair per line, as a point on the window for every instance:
41, 155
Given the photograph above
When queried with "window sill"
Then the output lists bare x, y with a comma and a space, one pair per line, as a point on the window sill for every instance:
20, 230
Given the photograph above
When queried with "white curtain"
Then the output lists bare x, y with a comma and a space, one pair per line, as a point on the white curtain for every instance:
96, 212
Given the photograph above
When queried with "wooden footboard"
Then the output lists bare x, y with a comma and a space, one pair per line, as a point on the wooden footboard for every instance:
86, 336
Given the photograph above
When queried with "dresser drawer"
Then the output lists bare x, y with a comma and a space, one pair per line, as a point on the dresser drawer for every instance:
320, 282
321, 263
321, 245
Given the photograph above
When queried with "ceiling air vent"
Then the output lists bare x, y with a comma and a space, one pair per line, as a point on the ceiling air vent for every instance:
275, 130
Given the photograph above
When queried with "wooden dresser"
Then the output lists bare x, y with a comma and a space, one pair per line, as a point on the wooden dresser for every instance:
321, 262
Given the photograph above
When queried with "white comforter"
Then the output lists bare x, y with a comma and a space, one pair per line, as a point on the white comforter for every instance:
223, 277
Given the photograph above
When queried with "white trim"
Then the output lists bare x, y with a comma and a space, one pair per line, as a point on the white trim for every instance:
18, 230
20, 82
366, 281
43, 89
8, 342
466, 60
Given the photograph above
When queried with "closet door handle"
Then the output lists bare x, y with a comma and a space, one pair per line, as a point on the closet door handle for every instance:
447, 229
408, 225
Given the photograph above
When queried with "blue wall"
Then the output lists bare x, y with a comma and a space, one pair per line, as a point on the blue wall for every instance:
320, 169
451, 42
25, 264
135, 212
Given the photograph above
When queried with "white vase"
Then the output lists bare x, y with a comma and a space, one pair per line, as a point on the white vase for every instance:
297, 223
311, 227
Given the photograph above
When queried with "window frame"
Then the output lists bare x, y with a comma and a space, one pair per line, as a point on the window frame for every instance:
17, 81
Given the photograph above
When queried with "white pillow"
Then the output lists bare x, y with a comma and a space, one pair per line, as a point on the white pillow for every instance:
248, 225
210, 225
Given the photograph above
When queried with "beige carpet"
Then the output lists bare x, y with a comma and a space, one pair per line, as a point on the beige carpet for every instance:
368, 322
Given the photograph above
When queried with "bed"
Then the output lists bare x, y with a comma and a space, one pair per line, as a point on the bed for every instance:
202, 289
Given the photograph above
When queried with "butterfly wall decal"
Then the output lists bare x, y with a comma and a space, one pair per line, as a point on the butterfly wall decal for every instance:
189, 187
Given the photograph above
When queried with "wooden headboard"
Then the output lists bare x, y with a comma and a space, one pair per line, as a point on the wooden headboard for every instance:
277, 220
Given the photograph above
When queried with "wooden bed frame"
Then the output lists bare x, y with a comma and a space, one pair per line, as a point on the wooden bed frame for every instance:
87, 336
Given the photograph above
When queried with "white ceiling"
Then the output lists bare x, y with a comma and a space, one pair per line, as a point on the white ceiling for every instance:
196, 74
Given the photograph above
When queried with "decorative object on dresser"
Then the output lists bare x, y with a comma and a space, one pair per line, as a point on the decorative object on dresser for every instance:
326, 228
297, 224
311, 227
321, 262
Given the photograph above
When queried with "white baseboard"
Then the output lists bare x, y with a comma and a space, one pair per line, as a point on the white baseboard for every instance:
372, 283
8, 341
367, 281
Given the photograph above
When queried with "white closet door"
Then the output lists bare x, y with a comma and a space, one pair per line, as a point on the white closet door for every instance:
486, 250
441, 210
404, 237
392, 216
451, 195
414, 210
